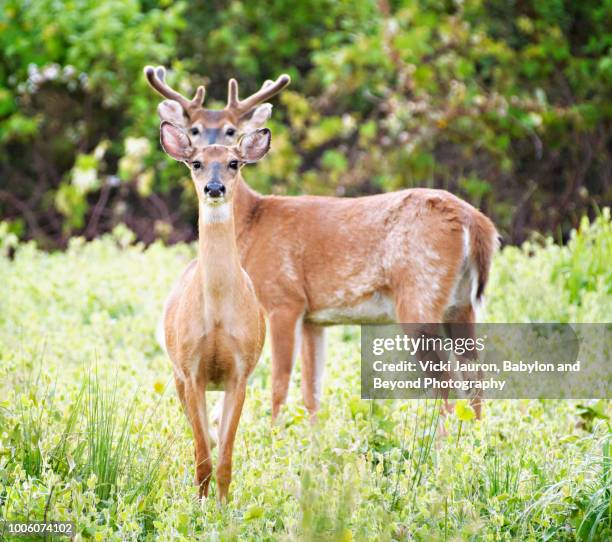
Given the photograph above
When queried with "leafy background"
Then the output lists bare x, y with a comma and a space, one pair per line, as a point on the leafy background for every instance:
506, 103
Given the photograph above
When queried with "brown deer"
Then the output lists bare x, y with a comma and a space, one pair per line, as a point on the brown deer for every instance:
214, 327
411, 256
214, 126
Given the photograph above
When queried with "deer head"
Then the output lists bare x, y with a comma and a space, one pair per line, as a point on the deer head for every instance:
214, 126
214, 168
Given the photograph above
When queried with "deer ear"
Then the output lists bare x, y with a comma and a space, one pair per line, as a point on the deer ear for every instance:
260, 116
254, 146
175, 141
171, 111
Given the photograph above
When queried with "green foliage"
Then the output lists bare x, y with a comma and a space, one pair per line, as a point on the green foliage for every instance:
504, 103
91, 430
70, 88
576, 279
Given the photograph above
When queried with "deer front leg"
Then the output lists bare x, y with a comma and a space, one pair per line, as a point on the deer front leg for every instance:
195, 402
232, 408
283, 323
313, 361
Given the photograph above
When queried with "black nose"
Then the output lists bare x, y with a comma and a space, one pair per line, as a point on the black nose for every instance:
214, 189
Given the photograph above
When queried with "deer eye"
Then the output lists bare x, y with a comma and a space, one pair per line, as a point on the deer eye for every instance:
233, 164
230, 132
195, 131
196, 164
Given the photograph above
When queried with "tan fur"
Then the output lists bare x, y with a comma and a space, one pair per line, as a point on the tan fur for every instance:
385, 258
306, 254
214, 331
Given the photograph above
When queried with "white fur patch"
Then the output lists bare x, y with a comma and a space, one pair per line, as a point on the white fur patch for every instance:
214, 214
377, 309
473, 272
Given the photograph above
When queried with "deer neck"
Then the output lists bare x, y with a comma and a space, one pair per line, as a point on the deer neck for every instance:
218, 260
246, 202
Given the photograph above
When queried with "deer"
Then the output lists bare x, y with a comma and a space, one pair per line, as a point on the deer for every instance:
214, 326
214, 126
410, 256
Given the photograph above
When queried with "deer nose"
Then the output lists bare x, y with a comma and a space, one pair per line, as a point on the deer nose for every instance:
214, 189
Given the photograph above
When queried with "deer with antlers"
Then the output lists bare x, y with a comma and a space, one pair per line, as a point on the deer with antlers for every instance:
411, 256
213, 126
214, 326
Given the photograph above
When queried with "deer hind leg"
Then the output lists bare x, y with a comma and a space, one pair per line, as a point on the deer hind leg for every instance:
180, 389
461, 325
232, 409
283, 324
426, 320
216, 413
313, 360
195, 401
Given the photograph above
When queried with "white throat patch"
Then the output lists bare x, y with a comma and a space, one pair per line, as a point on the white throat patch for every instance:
214, 214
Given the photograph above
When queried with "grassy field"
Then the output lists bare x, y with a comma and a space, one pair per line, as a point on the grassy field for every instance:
91, 430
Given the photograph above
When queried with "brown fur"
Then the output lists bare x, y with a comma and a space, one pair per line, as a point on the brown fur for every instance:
308, 254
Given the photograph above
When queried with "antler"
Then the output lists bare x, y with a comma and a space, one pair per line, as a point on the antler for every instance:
157, 79
267, 90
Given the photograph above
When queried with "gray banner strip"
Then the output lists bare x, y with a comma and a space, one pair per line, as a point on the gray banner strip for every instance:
503, 361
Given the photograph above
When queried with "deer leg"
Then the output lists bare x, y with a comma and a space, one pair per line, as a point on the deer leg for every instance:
283, 325
216, 413
232, 408
195, 401
313, 360
462, 325
180, 389
427, 318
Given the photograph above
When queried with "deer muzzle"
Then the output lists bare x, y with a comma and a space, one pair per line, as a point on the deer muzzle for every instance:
214, 189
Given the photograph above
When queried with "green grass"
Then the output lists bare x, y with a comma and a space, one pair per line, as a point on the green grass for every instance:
91, 430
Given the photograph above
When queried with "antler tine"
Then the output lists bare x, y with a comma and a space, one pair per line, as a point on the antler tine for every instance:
232, 94
198, 99
267, 90
157, 80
